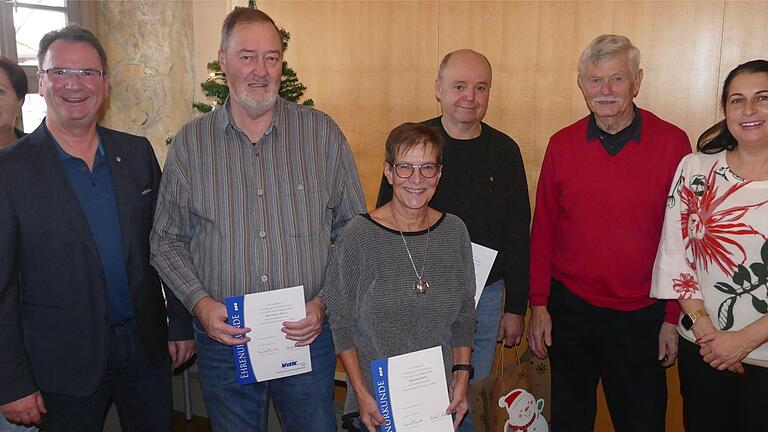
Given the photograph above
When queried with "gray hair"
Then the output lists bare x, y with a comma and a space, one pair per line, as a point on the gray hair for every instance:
245, 15
606, 46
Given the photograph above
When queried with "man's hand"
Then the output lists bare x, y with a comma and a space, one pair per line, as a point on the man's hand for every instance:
540, 331
459, 396
27, 410
511, 329
213, 316
181, 351
668, 344
306, 330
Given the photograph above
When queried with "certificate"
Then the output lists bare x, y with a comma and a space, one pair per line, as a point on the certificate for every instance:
269, 354
412, 392
484, 258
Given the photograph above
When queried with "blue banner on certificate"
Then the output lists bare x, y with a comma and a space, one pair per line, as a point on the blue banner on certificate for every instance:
269, 354
412, 392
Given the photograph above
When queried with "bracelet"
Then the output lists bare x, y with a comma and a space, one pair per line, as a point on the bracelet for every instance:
464, 367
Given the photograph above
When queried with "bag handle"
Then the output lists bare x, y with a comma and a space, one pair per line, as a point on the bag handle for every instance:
499, 364
517, 354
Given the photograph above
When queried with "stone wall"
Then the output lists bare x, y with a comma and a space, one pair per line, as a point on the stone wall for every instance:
149, 45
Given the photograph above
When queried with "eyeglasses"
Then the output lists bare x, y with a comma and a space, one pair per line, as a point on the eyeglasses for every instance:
60, 74
405, 170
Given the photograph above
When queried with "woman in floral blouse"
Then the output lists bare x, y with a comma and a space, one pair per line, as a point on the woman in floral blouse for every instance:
713, 258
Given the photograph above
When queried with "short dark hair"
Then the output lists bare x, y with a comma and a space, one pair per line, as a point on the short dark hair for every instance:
409, 135
718, 138
16, 76
71, 33
244, 15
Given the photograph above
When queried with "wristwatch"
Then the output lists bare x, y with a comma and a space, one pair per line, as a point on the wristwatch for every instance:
689, 319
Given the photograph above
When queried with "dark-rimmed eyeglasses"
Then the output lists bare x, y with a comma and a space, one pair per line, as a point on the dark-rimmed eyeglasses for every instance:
60, 74
405, 170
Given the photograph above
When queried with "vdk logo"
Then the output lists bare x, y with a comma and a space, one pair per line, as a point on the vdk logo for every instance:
290, 363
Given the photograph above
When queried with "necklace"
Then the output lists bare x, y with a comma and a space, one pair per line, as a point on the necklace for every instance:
421, 285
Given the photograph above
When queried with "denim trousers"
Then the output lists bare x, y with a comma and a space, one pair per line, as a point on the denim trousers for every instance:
489, 310
303, 402
141, 392
6, 426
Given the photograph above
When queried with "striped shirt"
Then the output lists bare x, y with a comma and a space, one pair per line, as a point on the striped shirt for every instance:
235, 217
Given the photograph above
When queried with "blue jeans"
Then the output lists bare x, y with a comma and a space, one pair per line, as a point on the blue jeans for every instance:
489, 310
303, 402
141, 391
6, 426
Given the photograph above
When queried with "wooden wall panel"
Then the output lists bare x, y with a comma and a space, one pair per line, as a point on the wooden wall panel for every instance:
744, 39
370, 65
680, 44
534, 48
533, 89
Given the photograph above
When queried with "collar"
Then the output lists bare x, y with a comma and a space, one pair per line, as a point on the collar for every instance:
278, 115
441, 126
511, 427
631, 132
64, 155
18, 133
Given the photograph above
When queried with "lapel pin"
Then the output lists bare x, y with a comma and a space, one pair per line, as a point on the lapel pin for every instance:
118, 159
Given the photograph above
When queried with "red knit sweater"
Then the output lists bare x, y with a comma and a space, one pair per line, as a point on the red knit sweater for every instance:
598, 217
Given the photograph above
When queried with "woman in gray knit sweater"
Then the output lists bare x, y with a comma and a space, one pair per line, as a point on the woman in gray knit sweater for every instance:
401, 278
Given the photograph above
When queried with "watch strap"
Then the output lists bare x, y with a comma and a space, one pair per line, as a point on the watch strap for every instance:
690, 318
465, 367
698, 314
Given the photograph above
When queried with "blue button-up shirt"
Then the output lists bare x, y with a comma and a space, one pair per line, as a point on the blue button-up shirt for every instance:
96, 196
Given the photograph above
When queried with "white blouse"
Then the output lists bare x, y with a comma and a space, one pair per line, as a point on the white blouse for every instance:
714, 244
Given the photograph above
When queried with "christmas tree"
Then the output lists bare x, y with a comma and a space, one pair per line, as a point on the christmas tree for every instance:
215, 87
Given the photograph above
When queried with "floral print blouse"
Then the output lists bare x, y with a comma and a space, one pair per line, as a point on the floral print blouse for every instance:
714, 244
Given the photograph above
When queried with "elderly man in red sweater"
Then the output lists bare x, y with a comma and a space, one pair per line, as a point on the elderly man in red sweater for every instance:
599, 212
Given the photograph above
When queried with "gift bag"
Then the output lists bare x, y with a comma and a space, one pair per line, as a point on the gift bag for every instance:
504, 402
539, 380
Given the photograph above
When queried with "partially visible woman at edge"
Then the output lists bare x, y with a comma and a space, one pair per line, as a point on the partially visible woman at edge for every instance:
13, 89
401, 278
713, 258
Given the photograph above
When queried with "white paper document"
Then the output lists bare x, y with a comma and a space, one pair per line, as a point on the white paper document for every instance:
269, 354
484, 258
412, 392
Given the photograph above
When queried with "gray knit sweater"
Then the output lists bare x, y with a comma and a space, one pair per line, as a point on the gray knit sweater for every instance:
370, 297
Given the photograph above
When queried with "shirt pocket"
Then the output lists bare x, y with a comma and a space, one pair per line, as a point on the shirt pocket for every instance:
301, 207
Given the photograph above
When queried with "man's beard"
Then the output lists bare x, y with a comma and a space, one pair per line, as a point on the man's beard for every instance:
256, 108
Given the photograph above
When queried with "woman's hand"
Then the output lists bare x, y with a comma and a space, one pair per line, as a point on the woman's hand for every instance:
369, 411
459, 396
725, 349
703, 326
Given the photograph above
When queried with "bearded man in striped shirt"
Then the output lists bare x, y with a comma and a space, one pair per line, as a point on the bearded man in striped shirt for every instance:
252, 196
